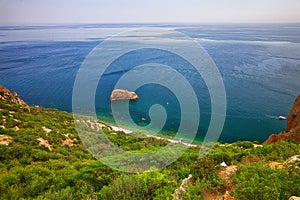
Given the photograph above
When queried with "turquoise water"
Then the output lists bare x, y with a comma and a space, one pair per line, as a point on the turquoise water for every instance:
259, 64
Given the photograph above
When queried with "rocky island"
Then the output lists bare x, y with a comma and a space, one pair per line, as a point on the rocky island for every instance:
119, 95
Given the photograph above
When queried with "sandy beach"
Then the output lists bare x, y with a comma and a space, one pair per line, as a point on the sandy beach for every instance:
127, 131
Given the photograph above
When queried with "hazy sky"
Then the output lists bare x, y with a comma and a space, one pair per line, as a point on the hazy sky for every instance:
106, 11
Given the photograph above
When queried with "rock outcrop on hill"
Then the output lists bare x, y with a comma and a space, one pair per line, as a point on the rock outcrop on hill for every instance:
13, 97
5, 139
185, 183
292, 131
119, 94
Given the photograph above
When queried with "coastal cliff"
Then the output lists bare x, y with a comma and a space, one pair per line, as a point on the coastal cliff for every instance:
292, 131
42, 157
12, 97
294, 116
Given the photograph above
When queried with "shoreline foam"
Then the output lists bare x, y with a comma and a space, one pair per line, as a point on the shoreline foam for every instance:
127, 131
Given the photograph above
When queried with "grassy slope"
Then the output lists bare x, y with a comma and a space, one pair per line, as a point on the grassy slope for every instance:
31, 171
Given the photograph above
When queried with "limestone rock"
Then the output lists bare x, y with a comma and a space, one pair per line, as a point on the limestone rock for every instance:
294, 198
45, 143
223, 164
69, 142
226, 173
119, 94
293, 159
47, 130
5, 139
185, 183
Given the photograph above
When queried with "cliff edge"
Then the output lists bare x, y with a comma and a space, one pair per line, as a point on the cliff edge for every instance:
12, 97
292, 131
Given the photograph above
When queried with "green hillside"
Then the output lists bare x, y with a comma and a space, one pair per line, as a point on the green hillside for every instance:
42, 157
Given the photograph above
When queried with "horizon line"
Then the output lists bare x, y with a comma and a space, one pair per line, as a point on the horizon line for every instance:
136, 23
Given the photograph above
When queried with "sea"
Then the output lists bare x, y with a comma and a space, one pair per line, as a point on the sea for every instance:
259, 65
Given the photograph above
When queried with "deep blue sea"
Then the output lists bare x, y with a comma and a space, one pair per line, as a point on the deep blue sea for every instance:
259, 64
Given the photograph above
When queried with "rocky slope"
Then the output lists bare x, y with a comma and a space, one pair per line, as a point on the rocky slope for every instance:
292, 131
12, 97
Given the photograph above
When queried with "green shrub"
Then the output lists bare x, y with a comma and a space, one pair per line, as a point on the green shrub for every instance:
244, 144
63, 194
125, 187
96, 174
195, 191
259, 181
278, 151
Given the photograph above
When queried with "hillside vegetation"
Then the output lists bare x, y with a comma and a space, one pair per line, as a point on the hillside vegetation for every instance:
42, 157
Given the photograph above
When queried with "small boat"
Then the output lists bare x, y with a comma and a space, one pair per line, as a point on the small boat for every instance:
281, 117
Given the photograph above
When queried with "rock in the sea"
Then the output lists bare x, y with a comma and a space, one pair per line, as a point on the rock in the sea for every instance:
119, 94
292, 131
13, 97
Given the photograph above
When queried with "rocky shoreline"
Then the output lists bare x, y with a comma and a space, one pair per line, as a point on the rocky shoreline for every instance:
292, 131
